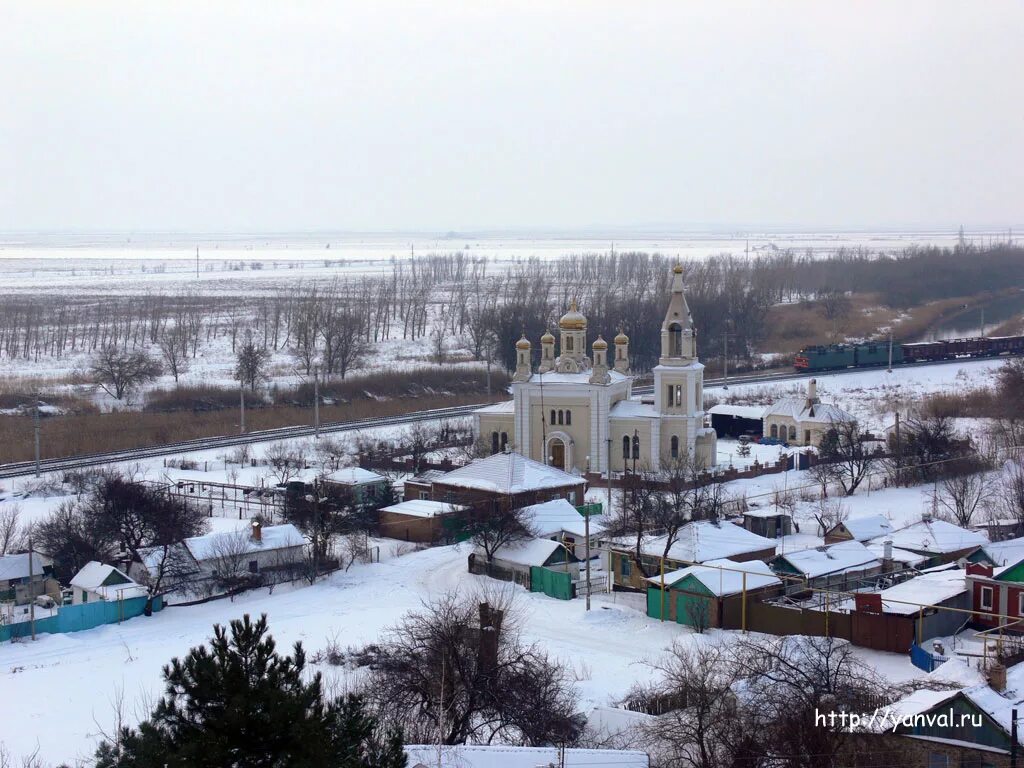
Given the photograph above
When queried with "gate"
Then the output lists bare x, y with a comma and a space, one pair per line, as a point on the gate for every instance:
557, 584
922, 659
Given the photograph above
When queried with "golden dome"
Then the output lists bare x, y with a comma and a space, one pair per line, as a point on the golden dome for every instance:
573, 320
523, 343
678, 269
600, 343
547, 338
622, 338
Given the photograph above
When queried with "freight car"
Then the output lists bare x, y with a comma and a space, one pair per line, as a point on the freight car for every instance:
835, 356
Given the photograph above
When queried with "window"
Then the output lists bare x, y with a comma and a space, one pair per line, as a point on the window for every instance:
254, 566
561, 417
568, 343
504, 440
675, 340
792, 433
671, 395
675, 447
807, 436
625, 567
85, 596
986, 598
938, 760
1020, 603
775, 430
552, 416
494, 442
568, 417
572, 497
625, 446
636, 446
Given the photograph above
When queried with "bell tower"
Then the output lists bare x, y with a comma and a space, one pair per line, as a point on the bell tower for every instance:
679, 376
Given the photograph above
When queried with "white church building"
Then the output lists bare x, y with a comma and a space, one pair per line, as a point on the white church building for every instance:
579, 413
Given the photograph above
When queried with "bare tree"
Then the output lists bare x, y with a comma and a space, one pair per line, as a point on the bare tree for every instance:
843, 446
229, 557
285, 462
174, 350
829, 513
493, 525
961, 497
118, 372
10, 529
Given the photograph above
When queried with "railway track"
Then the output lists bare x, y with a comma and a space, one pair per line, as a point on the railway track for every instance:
21, 468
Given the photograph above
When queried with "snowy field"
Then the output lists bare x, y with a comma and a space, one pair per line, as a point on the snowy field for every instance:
74, 679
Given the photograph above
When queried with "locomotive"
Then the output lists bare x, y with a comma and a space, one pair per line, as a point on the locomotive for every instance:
875, 353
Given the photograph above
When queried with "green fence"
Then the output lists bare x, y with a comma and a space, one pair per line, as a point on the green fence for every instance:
590, 509
75, 618
557, 584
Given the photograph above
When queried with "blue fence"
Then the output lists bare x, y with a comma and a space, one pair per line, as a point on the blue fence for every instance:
922, 659
75, 618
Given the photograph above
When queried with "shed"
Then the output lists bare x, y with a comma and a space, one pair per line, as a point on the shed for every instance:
98, 581
520, 556
558, 519
699, 595
859, 529
735, 420
420, 520
769, 522
20, 582
364, 485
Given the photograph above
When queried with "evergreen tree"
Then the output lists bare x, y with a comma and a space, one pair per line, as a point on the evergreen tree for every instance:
239, 703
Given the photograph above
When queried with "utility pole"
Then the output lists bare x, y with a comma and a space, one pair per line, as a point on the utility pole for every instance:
725, 361
35, 427
890, 352
586, 552
32, 598
316, 402
1013, 738
241, 405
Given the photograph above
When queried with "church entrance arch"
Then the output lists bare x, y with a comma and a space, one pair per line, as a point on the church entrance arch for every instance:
559, 451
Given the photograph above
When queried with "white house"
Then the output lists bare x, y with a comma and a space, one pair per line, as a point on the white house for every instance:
97, 582
559, 520
802, 420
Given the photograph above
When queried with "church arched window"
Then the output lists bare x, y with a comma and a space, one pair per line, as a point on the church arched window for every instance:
675, 340
775, 430
561, 417
792, 433
568, 343
504, 440
568, 417
552, 416
625, 446
494, 442
675, 447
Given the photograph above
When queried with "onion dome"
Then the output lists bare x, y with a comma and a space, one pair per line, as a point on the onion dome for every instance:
622, 338
600, 343
573, 320
523, 343
678, 269
547, 338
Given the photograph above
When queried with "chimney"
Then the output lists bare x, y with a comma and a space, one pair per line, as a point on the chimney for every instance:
997, 677
887, 556
812, 392
257, 530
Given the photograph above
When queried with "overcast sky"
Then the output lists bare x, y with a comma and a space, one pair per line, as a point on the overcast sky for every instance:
474, 115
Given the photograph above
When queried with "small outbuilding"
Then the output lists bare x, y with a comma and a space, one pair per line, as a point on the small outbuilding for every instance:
419, 520
365, 486
97, 582
859, 529
770, 522
737, 420
24, 577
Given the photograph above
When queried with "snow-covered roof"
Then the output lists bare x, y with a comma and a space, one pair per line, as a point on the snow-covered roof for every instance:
553, 377
423, 508
766, 512
926, 589
1009, 552
633, 409
272, 537
509, 472
934, 536
558, 515
703, 541
742, 411
615, 721
798, 409
527, 552
16, 566
995, 705
837, 558
867, 527
427, 476
917, 702
724, 577
905, 556
480, 756
353, 476
506, 406
94, 573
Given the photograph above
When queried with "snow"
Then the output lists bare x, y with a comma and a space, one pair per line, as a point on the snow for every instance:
934, 536
17, 566
724, 577
633, 408
555, 516
353, 476
798, 409
529, 552
926, 589
506, 406
553, 377
837, 558
868, 527
743, 411
703, 541
429, 756
272, 537
509, 473
423, 508
1008, 552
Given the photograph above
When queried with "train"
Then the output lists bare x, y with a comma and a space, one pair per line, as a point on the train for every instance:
874, 353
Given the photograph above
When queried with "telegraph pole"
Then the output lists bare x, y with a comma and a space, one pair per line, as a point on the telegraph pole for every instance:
241, 406
316, 402
35, 427
32, 598
890, 352
586, 551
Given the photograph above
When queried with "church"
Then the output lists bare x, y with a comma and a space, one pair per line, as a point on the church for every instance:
578, 412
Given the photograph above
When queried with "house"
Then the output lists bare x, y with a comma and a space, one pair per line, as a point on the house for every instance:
420, 520
696, 542
21, 580
710, 595
519, 557
997, 553
418, 487
894, 618
203, 558
770, 522
861, 529
97, 582
365, 486
802, 420
501, 756
736, 420
509, 479
838, 565
997, 592
939, 541
561, 521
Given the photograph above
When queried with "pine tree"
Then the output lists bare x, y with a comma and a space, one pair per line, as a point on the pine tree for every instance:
239, 703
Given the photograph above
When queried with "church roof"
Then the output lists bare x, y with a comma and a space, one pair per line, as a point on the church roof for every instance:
633, 409
553, 377
573, 320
